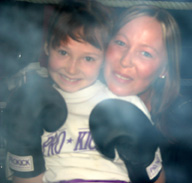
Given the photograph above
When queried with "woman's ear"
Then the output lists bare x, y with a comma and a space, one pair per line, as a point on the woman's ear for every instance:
46, 49
163, 72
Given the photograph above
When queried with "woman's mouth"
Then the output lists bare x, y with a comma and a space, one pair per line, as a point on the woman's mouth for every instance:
122, 78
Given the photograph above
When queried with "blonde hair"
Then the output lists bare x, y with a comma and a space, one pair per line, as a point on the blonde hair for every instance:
164, 91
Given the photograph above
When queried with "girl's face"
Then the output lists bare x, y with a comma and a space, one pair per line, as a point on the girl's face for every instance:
136, 57
74, 65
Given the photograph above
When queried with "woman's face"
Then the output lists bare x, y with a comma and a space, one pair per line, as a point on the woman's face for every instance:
136, 57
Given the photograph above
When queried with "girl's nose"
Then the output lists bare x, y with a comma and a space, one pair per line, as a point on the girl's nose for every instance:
72, 66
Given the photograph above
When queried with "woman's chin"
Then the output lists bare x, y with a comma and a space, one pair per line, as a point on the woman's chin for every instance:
119, 91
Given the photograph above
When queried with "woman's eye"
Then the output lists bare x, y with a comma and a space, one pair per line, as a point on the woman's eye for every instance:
146, 54
89, 59
62, 52
120, 43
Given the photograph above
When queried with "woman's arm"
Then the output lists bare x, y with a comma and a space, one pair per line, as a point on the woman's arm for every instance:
37, 179
161, 178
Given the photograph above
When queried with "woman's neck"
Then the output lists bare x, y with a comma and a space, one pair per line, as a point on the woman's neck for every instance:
146, 98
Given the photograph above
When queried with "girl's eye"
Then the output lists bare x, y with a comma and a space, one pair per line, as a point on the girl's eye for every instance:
146, 54
62, 52
120, 43
89, 59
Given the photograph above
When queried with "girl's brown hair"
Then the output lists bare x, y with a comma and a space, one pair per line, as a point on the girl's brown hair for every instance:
87, 21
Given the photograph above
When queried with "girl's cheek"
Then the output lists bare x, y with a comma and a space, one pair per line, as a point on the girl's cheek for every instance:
53, 65
55, 62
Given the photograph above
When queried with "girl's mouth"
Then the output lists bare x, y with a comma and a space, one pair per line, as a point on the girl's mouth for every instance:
69, 80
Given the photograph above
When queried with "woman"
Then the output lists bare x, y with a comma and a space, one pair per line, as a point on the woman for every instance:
143, 59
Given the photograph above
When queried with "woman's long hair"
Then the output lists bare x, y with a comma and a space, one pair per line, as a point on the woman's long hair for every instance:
163, 91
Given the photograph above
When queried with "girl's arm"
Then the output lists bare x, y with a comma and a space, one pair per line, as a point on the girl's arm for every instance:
37, 179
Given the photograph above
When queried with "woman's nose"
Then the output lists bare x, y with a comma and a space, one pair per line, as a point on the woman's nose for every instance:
127, 59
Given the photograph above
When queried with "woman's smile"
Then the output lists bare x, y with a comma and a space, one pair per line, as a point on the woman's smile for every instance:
122, 78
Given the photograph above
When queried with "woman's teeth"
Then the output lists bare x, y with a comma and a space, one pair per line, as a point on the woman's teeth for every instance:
121, 77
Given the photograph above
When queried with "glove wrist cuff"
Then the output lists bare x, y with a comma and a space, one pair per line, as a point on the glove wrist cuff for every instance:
26, 166
155, 167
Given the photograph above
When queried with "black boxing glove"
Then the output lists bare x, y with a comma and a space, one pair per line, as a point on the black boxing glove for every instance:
120, 125
34, 107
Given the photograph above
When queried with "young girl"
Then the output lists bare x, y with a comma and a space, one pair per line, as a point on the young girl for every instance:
76, 46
